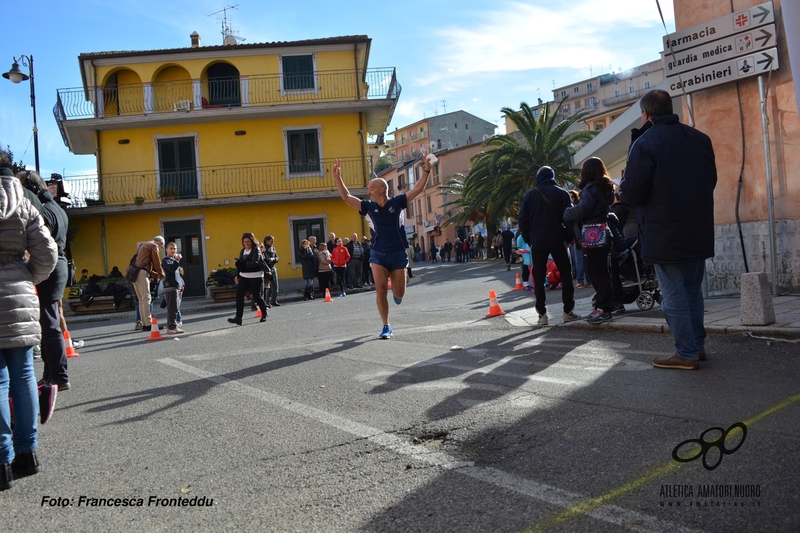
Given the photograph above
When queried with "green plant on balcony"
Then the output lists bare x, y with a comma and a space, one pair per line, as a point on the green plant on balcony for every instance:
138, 200
168, 192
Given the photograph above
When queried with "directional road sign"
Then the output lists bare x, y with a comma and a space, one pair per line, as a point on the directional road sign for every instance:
748, 42
718, 28
727, 71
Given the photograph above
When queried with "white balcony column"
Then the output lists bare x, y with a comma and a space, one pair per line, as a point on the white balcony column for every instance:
148, 92
197, 94
244, 90
99, 103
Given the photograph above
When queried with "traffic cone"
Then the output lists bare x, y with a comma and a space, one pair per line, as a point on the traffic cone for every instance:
518, 286
494, 307
155, 334
327, 296
258, 315
389, 287
68, 344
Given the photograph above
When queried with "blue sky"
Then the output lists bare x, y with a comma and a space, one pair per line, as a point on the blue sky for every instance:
478, 56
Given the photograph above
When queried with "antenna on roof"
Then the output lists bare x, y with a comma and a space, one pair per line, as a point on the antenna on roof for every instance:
228, 36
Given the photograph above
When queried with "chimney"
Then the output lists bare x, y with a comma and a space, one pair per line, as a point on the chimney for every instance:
195, 39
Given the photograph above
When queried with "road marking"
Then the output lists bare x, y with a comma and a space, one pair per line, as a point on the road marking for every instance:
587, 506
539, 491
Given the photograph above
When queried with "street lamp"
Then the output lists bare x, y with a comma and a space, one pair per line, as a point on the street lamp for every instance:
16, 76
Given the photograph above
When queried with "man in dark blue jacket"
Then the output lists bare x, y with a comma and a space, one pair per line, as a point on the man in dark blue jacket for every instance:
670, 176
542, 227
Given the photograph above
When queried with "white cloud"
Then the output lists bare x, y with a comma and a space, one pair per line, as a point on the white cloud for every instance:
517, 36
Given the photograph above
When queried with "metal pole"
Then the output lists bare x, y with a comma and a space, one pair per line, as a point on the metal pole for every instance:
768, 173
35, 128
690, 106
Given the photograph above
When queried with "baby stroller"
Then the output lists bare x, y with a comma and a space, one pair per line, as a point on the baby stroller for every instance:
639, 283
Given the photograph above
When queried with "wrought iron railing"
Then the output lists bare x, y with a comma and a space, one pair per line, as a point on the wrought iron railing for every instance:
259, 90
210, 182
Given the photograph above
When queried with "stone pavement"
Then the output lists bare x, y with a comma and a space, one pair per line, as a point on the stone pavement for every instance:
723, 315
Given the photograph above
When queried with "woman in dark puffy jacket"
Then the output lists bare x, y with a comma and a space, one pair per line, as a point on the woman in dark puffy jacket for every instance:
249, 277
22, 230
309, 261
597, 194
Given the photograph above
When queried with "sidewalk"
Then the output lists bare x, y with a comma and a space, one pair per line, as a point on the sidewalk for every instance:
723, 316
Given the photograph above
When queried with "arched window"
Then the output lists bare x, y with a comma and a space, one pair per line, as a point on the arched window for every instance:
223, 85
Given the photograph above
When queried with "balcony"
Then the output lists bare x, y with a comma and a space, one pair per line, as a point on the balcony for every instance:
215, 185
79, 112
625, 97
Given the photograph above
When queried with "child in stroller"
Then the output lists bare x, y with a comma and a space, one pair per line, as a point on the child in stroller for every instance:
633, 280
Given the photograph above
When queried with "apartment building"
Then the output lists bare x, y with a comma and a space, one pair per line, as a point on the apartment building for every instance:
203, 143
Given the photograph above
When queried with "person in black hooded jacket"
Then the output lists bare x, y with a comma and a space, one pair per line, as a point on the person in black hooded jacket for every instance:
542, 227
51, 290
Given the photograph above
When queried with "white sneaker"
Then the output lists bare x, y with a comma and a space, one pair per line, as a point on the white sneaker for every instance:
138, 326
77, 344
542, 320
176, 331
571, 317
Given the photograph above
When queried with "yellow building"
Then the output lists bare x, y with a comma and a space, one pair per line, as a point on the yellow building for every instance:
203, 143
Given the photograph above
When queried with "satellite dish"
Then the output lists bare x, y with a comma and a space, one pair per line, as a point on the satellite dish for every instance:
229, 40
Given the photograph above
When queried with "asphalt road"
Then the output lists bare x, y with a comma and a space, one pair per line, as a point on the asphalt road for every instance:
459, 423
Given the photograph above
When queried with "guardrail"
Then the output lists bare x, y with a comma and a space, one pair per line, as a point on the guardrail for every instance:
210, 182
258, 90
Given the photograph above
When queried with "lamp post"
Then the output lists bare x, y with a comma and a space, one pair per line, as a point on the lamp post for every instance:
16, 76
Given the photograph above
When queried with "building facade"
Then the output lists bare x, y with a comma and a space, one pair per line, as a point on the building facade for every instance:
201, 144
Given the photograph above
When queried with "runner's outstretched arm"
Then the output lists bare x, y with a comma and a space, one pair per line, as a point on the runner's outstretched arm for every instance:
420, 185
349, 199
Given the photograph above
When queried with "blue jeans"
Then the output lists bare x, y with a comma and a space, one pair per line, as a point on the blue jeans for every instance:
16, 373
683, 305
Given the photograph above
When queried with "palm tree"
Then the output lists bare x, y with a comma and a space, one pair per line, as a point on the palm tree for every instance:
500, 176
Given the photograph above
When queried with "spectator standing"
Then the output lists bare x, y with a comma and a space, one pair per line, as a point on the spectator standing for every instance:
507, 237
324, 267
671, 164
51, 290
271, 256
542, 227
340, 257
22, 231
172, 284
597, 194
355, 265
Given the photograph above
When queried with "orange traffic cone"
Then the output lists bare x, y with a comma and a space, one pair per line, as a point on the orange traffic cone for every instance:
155, 334
258, 315
327, 296
518, 286
389, 287
68, 344
494, 307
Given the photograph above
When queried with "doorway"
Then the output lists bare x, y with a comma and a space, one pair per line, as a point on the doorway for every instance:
186, 234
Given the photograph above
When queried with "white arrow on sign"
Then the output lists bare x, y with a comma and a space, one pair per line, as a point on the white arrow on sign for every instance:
728, 48
718, 28
725, 72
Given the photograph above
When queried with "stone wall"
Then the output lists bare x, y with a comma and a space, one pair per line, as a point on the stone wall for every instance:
727, 265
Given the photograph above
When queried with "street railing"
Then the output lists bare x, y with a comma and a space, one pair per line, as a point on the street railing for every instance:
258, 90
225, 181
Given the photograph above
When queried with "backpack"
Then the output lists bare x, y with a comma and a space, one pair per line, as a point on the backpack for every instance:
132, 272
